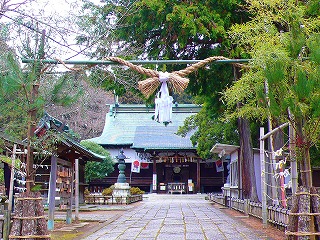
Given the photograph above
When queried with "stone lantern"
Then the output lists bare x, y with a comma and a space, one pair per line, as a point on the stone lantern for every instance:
121, 166
121, 188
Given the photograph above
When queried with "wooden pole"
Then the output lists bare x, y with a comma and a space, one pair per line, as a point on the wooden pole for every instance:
198, 176
72, 180
263, 179
52, 192
76, 190
32, 114
293, 160
7, 214
31, 129
137, 62
13, 160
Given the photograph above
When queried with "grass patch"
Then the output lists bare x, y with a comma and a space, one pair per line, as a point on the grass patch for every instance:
65, 235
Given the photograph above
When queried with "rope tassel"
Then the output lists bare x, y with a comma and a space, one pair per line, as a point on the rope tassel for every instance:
148, 86
163, 101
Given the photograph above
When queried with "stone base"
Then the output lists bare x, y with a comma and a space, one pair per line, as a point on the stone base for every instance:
121, 191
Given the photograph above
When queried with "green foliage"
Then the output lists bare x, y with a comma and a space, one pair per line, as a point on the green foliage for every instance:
209, 132
94, 170
3, 199
16, 97
160, 29
136, 191
1, 176
15, 87
36, 188
283, 40
86, 192
61, 93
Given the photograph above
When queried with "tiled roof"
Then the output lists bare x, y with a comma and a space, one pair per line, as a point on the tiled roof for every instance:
160, 137
122, 121
63, 132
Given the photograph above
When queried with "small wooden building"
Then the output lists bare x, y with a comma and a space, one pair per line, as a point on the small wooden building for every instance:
66, 151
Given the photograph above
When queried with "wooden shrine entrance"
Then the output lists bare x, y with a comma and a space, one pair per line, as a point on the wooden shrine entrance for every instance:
178, 177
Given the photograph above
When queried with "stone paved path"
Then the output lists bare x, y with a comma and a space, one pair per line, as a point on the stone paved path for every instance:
167, 217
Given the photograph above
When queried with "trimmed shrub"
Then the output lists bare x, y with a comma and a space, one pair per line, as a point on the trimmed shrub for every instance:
136, 191
86, 192
108, 191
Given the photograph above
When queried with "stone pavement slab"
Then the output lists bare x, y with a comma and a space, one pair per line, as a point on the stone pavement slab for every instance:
178, 217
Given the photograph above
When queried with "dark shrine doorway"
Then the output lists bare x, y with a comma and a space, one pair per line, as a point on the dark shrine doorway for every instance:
176, 177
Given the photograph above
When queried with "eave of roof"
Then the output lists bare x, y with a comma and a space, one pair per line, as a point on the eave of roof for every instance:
218, 148
63, 132
121, 122
149, 137
91, 156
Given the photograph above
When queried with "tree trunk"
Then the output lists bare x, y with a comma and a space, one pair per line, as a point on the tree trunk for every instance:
303, 155
32, 114
304, 220
247, 161
308, 207
293, 219
29, 220
249, 188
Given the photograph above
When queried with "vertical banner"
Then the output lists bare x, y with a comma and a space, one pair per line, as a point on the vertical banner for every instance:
154, 182
135, 166
219, 166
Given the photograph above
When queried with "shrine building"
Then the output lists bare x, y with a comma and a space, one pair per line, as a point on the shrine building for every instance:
166, 162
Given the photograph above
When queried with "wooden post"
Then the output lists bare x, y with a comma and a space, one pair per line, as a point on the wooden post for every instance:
198, 175
52, 192
32, 114
7, 213
293, 160
69, 207
154, 176
263, 179
13, 160
77, 190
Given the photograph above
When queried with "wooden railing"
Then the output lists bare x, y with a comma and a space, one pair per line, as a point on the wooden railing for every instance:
277, 216
106, 200
212, 181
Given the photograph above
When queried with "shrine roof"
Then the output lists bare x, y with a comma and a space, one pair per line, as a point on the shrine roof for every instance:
160, 137
125, 125
65, 135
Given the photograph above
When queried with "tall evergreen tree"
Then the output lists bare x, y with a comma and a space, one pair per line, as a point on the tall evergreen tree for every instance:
169, 30
180, 30
283, 81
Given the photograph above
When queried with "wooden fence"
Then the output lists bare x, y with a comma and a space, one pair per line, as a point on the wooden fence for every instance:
277, 216
99, 199
4, 220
